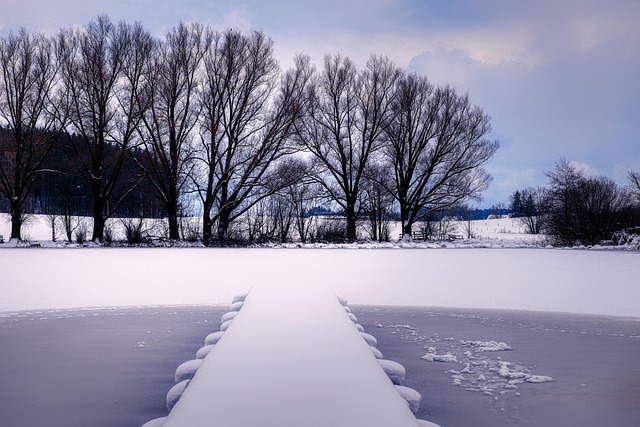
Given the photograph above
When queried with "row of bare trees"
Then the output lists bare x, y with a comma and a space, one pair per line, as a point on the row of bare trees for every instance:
210, 115
576, 209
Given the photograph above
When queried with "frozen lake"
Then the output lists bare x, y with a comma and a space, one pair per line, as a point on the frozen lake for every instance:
575, 281
113, 367
68, 365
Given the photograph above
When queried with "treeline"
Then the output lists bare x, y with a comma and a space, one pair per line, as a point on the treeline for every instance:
108, 120
575, 209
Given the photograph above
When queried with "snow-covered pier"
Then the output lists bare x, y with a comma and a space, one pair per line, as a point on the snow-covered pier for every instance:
290, 356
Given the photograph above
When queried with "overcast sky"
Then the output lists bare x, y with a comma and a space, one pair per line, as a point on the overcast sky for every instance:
560, 78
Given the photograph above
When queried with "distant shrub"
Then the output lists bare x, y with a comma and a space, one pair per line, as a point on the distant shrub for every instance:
134, 230
81, 233
330, 230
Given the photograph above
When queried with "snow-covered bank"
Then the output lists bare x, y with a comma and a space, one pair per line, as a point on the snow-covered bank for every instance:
595, 282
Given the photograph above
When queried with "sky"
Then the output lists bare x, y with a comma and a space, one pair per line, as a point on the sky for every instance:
560, 78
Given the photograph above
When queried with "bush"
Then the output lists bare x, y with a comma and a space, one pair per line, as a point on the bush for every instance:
134, 230
583, 211
81, 233
330, 230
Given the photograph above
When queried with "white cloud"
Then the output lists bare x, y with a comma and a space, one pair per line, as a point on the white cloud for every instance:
586, 168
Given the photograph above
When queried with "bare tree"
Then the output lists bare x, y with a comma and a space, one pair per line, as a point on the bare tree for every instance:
634, 180
171, 112
531, 207
378, 202
464, 214
101, 69
583, 210
437, 147
248, 114
344, 126
300, 197
28, 75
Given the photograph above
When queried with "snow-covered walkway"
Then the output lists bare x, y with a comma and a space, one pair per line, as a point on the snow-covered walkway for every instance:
292, 356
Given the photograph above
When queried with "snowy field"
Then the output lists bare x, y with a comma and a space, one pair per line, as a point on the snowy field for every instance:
38, 228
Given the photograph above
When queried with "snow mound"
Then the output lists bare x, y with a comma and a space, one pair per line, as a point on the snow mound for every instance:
202, 352
423, 423
359, 327
157, 422
213, 338
412, 397
175, 393
486, 345
239, 298
225, 325
395, 371
370, 339
353, 318
520, 377
228, 316
187, 370
536, 379
444, 358
377, 353
236, 306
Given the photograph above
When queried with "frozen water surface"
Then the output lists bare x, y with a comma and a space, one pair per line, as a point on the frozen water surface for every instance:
56, 360
595, 282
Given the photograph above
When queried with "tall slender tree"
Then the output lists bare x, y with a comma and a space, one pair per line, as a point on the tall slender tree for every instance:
169, 101
101, 70
344, 126
248, 117
28, 76
437, 147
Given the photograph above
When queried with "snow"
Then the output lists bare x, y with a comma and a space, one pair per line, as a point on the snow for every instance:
475, 365
236, 306
225, 325
159, 422
213, 338
298, 346
377, 353
175, 393
412, 397
203, 351
520, 376
228, 316
187, 370
444, 358
394, 370
486, 345
577, 281
370, 339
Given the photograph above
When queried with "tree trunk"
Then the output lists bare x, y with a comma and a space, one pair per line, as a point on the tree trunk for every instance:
406, 230
223, 226
352, 234
98, 218
206, 229
98, 228
172, 212
407, 224
16, 220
